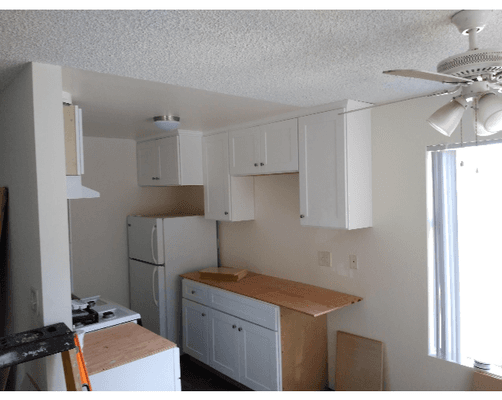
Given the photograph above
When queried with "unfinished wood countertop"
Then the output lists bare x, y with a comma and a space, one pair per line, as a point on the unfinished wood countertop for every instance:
301, 297
111, 347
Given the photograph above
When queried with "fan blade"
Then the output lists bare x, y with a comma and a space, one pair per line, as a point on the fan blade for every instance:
431, 76
435, 94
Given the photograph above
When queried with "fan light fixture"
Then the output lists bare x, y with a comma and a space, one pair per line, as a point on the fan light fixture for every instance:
490, 112
447, 118
167, 123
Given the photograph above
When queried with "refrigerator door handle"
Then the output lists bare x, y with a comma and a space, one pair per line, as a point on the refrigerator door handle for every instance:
151, 242
153, 286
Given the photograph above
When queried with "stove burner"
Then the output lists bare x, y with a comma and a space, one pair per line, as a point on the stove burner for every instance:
108, 315
84, 317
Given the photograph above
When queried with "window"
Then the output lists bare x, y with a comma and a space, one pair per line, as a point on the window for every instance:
465, 254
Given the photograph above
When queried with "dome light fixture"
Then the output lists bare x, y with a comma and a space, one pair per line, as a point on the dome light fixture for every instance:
167, 122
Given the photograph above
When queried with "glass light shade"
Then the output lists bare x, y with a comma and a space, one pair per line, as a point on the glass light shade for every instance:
167, 123
446, 119
490, 112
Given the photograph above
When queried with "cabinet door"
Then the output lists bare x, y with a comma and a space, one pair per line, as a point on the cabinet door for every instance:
279, 147
322, 172
223, 344
195, 320
244, 151
147, 163
169, 161
259, 359
216, 177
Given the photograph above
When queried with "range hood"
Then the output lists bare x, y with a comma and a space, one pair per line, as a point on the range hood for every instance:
75, 190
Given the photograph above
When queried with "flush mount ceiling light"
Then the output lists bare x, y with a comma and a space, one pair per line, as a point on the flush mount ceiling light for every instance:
167, 122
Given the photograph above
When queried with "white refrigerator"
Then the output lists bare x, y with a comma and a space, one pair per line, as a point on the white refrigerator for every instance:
160, 249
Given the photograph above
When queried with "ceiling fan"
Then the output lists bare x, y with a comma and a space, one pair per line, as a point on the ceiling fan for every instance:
476, 74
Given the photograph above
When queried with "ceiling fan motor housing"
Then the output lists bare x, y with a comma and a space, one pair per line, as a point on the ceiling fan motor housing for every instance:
472, 63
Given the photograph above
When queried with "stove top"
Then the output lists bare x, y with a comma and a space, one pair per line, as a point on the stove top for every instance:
93, 313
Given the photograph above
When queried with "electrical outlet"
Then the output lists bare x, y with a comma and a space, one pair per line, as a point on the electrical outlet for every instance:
353, 261
324, 258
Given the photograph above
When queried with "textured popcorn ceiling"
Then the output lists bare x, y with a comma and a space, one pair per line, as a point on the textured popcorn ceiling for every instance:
292, 58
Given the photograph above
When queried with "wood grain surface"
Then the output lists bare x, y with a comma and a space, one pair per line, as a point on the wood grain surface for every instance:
111, 347
486, 382
301, 297
359, 363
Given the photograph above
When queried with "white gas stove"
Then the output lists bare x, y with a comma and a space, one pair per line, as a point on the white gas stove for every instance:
93, 313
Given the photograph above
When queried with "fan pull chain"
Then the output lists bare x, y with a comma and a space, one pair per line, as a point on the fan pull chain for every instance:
476, 119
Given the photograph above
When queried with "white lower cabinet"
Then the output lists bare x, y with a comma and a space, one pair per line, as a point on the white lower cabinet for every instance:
195, 330
224, 344
242, 350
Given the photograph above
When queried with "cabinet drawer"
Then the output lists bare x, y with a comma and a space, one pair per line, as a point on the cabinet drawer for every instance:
255, 311
196, 291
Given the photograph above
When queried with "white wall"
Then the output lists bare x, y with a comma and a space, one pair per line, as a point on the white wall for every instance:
392, 255
32, 166
99, 229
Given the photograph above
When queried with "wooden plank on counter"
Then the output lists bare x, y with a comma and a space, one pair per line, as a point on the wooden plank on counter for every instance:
301, 297
111, 347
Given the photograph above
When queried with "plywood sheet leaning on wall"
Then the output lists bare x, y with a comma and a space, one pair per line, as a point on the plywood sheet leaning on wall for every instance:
485, 381
359, 363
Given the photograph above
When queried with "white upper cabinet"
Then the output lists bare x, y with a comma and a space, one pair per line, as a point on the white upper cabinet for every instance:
335, 169
170, 161
266, 149
226, 198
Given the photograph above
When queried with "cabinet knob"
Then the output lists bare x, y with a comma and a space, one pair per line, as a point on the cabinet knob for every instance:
234, 326
240, 329
193, 291
302, 216
255, 164
203, 314
153, 178
226, 212
262, 164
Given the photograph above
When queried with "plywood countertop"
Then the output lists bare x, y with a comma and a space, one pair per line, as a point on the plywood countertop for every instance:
301, 297
111, 347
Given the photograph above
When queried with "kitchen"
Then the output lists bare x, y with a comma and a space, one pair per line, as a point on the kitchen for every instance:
391, 255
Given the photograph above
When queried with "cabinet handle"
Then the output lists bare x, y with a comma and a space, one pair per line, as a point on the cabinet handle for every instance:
256, 164
226, 212
193, 291
234, 326
262, 164
153, 178
203, 314
240, 329
302, 216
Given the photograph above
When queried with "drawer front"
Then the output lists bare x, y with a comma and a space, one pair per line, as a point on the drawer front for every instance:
255, 311
195, 291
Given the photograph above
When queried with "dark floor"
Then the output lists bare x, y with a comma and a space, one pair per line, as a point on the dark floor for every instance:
196, 377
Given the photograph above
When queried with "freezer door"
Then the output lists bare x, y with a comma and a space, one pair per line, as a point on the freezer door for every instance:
145, 239
147, 292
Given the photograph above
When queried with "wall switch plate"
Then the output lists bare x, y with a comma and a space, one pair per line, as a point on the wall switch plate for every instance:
324, 258
353, 261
